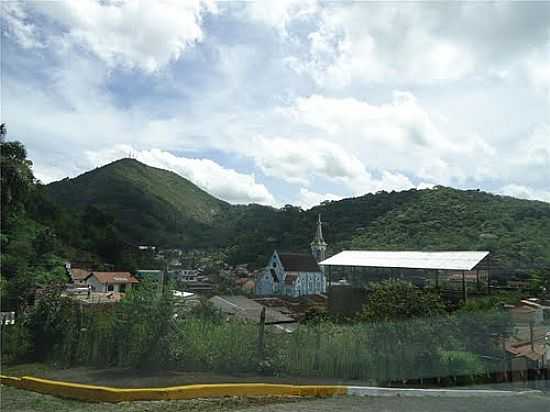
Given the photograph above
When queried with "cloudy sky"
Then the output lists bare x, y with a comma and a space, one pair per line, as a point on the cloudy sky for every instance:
285, 101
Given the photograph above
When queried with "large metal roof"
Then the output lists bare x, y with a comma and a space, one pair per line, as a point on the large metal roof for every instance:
409, 260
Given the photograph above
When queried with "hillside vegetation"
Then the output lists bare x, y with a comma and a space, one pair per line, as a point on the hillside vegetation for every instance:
154, 206
149, 205
516, 231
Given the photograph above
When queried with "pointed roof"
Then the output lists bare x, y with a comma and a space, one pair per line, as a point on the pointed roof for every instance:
318, 239
298, 262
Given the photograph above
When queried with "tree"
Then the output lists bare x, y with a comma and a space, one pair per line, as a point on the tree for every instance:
400, 300
17, 179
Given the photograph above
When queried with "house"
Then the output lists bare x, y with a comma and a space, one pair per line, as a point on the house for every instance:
111, 281
77, 275
243, 308
295, 274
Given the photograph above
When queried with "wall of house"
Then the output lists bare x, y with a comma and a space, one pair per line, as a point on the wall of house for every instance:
103, 287
264, 283
307, 283
96, 286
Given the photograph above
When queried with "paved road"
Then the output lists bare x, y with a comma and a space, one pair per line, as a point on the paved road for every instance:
357, 404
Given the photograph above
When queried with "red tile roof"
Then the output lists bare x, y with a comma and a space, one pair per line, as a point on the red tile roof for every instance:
79, 274
114, 277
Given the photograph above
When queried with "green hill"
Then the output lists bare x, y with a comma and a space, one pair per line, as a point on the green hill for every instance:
154, 206
148, 205
516, 231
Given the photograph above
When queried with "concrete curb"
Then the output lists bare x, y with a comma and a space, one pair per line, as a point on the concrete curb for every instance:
93, 393
108, 394
445, 393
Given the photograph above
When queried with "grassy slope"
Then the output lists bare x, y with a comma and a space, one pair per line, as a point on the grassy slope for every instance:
148, 204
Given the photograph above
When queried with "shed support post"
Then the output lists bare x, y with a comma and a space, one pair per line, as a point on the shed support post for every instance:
464, 292
488, 273
261, 329
478, 286
437, 279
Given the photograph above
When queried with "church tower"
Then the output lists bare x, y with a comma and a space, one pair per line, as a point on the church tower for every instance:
319, 246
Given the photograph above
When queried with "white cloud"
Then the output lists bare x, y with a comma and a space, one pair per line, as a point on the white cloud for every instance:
524, 192
298, 160
279, 14
307, 199
18, 26
132, 34
226, 184
538, 71
381, 43
401, 135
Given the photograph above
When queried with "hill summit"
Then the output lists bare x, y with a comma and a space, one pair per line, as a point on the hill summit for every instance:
149, 205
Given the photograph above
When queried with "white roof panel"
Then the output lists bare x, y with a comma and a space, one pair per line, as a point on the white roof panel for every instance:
410, 260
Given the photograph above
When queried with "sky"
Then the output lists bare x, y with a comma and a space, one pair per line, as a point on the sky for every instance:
286, 102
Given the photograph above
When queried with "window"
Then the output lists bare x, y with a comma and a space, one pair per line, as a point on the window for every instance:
110, 288
122, 288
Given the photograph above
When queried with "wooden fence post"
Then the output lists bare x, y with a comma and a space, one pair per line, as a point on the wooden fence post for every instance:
261, 329
317, 361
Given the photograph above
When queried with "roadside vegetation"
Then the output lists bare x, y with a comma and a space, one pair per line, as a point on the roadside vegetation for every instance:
412, 337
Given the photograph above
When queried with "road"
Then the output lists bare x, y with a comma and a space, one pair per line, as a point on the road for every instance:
358, 404
16, 400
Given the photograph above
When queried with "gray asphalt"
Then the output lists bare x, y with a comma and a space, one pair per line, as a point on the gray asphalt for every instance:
356, 404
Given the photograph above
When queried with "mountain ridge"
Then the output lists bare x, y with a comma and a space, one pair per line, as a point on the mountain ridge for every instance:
160, 207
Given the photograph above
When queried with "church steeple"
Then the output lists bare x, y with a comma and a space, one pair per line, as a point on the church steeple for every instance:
319, 246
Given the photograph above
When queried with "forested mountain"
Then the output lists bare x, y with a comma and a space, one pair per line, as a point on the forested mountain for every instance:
516, 231
148, 205
154, 206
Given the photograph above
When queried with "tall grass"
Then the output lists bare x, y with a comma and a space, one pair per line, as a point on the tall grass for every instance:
142, 332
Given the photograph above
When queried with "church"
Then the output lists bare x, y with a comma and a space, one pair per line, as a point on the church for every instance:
295, 274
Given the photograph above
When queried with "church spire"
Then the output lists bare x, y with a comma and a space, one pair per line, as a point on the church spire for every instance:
319, 246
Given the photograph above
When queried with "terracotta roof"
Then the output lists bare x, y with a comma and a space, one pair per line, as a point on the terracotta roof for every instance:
296, 262
524, 350
79, 274
113, 277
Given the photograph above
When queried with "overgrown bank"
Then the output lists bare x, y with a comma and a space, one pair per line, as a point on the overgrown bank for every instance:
142, 332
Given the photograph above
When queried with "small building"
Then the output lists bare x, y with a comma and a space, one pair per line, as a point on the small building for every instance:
291, 274
243, 308
77, 275
111, 281
295, 274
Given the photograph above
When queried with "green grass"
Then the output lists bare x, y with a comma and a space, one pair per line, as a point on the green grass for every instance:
25, 401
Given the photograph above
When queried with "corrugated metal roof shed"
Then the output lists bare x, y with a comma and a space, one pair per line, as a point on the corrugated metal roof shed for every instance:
245, 308
407, 260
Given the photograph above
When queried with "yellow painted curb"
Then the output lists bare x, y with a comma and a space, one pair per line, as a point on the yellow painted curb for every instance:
108, 394
10, 380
